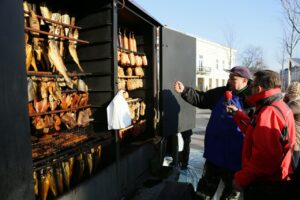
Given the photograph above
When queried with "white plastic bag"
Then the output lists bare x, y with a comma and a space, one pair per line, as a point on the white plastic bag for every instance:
118, 114
180, 142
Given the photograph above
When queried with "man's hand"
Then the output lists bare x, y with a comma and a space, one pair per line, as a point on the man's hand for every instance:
178, 86
231, 108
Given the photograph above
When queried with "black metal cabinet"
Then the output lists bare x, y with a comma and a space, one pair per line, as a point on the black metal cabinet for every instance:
100, 22
178, 60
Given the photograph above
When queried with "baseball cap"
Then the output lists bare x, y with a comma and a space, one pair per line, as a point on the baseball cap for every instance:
240, 71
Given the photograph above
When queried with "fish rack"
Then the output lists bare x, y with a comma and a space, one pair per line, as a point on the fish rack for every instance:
29, 29
62, 152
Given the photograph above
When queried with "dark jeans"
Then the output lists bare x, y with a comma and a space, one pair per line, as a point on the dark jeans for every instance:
269, 191
179, 158
185, 153
211, 177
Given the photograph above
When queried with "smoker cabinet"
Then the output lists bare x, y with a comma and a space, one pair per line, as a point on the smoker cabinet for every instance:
100, 22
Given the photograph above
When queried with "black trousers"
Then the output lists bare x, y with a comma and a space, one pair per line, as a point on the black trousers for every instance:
211, 177
179, 158
185, 153
270, 191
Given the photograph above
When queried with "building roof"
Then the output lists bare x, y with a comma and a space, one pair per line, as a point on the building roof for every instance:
295, 62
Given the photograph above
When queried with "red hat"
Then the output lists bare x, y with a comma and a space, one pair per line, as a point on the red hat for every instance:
240, 71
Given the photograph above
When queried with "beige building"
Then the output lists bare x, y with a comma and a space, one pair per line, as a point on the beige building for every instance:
211, 60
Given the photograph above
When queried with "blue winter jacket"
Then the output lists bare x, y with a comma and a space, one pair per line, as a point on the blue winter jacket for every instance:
223, 139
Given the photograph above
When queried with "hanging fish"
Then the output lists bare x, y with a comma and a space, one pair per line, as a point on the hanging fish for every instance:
66, 173
45, 11
72, 49
52, 183
65, 19
89, 162
34, 23
71, 164
57, 61
45, 184
97, 156
35, 183
80, 166
59, 178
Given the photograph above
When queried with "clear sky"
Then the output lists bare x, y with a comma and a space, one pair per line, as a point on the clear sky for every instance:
252, 22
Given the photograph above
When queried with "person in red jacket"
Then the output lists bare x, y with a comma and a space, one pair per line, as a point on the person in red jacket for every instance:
269, 141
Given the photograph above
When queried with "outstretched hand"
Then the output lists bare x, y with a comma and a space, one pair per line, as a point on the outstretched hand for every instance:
231, 108
178, 86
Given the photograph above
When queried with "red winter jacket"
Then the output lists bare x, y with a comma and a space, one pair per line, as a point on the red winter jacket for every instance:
263, 157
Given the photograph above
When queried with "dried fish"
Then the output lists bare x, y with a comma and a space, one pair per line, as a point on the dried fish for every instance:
59, 178
26, 8
45, 184
35, 183
89, 162
66, 173
55, 57
52, 183
65, 18
34, 23
82, 87
97, 156
72, 45
80, 166
71, 161
31, 89
45, 11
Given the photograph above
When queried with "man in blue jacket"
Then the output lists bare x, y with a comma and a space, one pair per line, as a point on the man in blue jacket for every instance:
223, 139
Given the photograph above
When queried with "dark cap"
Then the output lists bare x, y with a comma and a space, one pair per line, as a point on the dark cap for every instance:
240, 71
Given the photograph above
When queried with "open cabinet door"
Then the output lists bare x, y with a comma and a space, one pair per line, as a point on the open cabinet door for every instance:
178, 62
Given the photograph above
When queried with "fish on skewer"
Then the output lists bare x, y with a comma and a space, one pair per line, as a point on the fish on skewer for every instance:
97, 156
45, 10
89, 162
72, 49
66, 173
71, 161
80, 167
31, 89
58, 63
73, 44
34, 23
45, 185
35, 183
59, 178
65, 19
52, 183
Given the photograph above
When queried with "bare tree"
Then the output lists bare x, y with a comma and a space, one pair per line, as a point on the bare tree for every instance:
252, 57
292, 33
230, 39
281, 59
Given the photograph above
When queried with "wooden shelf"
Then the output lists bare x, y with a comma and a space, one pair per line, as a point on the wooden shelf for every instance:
55, 35
52, 75
128, 51
52, 21
58, 111
128, 77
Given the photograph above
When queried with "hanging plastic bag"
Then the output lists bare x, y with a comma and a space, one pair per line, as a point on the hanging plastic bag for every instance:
118, 114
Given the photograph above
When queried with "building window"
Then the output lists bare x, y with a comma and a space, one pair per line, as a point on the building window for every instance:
210, 83
200, 63
223, 63
217, 82
217, 64
223, 82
